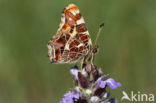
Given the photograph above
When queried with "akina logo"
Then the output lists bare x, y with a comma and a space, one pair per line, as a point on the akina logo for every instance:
137, 97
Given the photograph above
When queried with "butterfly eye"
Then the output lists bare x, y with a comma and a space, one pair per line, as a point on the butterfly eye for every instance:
95, 49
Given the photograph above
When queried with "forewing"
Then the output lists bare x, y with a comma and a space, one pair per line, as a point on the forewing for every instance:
72, 41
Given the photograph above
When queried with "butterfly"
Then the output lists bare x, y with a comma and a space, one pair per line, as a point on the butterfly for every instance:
72, 42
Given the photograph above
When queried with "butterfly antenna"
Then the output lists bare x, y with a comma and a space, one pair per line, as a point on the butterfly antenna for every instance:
101, 27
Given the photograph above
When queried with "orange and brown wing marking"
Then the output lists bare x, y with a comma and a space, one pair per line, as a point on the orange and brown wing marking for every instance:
71, 15
56, 48
79, 45
72, 41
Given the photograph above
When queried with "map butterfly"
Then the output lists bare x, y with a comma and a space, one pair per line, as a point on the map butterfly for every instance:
72, 41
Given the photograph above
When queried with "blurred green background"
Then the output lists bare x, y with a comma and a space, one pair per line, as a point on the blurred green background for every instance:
127, 47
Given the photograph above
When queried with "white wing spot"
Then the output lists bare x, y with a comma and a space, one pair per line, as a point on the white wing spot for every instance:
80, 45
67, 46
80, 21
74, 12
62, 22
70, 19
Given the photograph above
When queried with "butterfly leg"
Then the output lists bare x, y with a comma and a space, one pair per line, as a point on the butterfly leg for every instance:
83, 63
92, 58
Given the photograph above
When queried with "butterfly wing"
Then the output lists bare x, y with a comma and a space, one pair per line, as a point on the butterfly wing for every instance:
72, 40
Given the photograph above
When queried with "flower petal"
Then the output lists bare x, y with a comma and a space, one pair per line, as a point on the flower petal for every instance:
102, 84
68, 97
74, 72
112, 83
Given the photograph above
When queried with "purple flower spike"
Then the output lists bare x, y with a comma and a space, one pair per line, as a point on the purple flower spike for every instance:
70, 96
90, 86
102, 82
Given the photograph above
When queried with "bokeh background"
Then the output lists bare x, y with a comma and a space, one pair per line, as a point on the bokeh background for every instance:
127, 47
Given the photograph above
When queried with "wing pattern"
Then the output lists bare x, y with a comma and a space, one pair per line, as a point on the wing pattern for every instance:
72, 41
